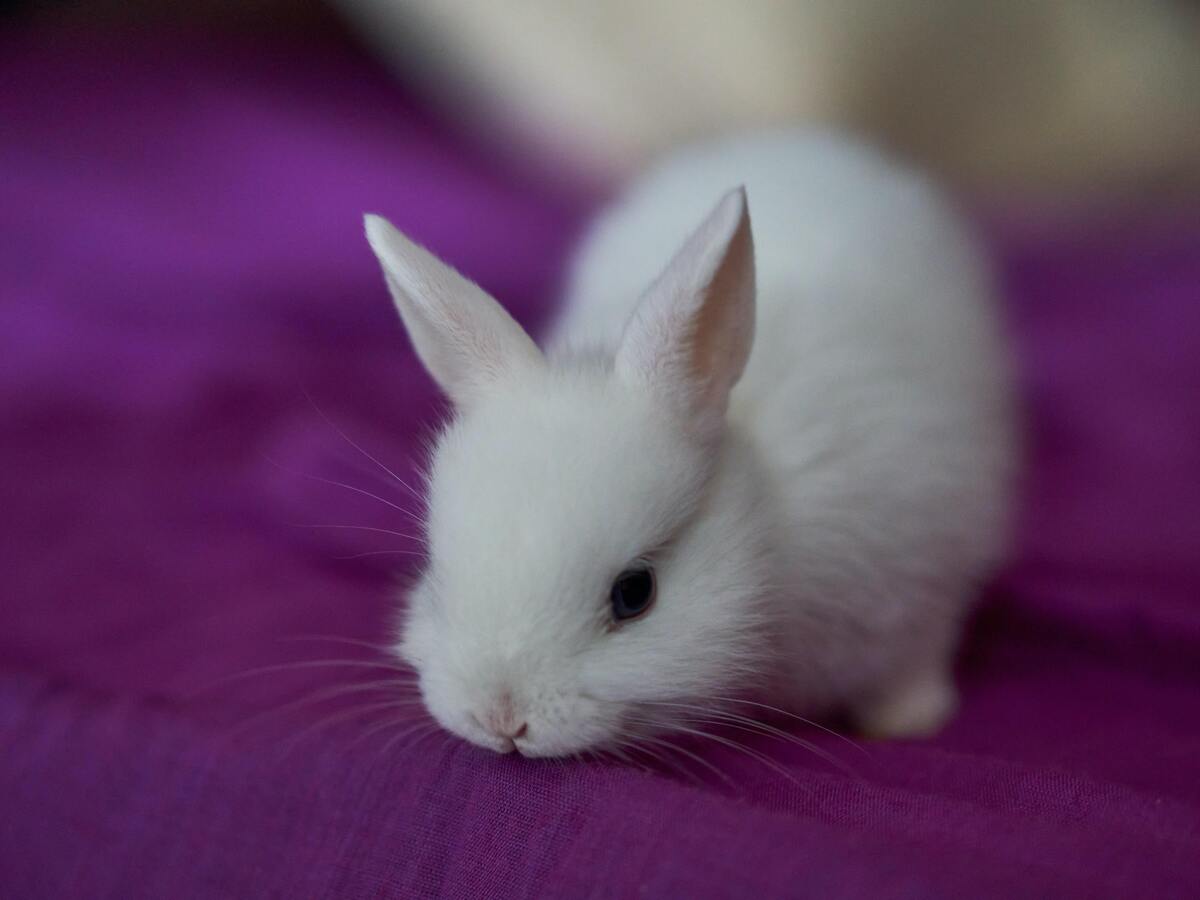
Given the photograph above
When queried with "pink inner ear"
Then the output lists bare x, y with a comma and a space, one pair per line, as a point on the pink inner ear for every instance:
690, 336
724, 325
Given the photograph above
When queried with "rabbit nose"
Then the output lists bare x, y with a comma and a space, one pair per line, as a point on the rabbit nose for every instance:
512, 732
503, 720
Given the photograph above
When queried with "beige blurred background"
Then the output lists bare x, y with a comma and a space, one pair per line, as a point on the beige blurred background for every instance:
1067, 96
1076, 99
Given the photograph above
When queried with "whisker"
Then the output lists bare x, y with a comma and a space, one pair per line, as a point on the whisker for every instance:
383, 726
755, 727
381, 553
342, 716
330, 693
342, 484
395, 691
293, 666
346, 438
783, 712
399, 534
658, 758
696, 758
621, 755
667, 745
339, 639
422, 728
745, 723
734, 745
365, 470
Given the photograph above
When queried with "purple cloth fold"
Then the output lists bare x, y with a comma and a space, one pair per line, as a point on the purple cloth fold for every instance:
194, 336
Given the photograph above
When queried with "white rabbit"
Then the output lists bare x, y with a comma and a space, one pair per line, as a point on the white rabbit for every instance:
631, 535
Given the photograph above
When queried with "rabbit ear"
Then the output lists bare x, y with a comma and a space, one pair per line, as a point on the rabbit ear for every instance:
465, 339
691, 333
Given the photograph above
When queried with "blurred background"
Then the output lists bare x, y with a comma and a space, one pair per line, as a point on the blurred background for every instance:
1082, 100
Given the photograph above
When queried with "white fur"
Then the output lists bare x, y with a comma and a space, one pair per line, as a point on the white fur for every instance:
816, 544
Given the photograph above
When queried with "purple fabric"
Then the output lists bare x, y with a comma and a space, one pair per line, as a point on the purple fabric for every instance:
181, 260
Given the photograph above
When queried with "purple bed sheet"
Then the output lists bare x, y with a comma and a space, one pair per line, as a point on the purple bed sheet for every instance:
192, 332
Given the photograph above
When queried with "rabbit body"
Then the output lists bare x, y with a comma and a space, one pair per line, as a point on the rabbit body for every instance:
775, 472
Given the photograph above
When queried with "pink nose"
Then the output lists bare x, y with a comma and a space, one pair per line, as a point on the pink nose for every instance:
508, 730
502, 719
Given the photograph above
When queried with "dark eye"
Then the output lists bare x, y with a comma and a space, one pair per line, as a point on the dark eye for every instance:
632, 593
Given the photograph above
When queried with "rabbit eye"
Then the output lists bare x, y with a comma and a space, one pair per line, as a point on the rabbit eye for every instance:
632, 593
